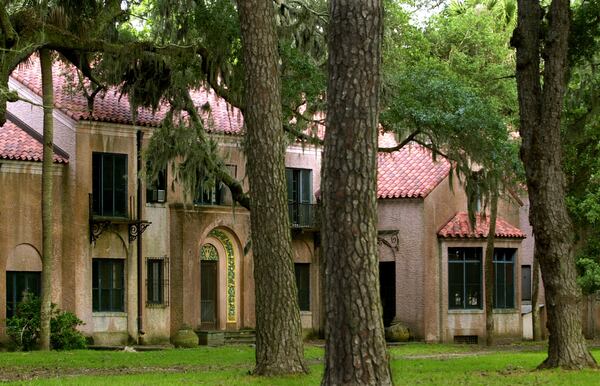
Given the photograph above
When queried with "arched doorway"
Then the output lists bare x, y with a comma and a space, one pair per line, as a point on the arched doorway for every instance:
209, 268
218, 301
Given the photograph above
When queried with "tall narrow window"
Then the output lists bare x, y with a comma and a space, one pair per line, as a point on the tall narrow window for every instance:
526, 283
109, 184
504, 272
299, 190
18, 284
108, 292
156, 283
464, 278
302, 271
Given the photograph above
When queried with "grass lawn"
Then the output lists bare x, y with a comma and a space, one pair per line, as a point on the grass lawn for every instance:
412, 364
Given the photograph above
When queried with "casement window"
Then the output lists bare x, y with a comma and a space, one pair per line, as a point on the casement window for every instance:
215, 192
109, 184
108, 285
464, 278
18, 284
302, 271
504, 273
157, 190
157, 281
526, 288
299, 191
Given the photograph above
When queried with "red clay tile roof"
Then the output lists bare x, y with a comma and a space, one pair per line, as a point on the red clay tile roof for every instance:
408, 172
110, 106
458, 227
16, 144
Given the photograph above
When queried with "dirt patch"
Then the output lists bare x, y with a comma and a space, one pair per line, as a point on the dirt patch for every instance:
28, 374
21, 374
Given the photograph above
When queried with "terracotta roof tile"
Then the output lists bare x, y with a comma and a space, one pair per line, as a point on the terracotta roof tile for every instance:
458, 227
110, 106
408, 172
16, 144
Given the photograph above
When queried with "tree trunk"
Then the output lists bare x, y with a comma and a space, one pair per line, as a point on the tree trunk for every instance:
279, 348
540, 115
355, 349
535, 311
489, 272
47, 201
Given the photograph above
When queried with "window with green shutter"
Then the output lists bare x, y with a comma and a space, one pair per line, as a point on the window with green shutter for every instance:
109, 185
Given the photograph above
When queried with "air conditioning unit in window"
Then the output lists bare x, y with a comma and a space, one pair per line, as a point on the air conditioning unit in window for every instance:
157, 195
161, 195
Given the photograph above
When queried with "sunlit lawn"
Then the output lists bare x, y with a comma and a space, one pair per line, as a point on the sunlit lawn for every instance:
414, 363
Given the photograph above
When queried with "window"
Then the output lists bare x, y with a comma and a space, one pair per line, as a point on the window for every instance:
526, 288
157, 190
299, 190
108, 292
464, 278
17, 285
218, 193
109, 184
504, 272
302, 271
156, 282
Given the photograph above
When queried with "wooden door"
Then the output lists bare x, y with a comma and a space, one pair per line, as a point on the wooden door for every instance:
208, 294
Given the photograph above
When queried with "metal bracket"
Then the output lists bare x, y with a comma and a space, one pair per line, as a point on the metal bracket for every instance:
137, 228
389, 238
96, 229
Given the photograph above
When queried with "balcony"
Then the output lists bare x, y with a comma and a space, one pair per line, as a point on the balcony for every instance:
303, 216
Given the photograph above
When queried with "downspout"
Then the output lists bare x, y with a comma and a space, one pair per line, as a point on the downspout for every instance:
140, 261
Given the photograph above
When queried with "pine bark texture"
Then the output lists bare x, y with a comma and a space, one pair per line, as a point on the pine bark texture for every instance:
540, 115
279, 347
489, 272
355, 349
47, 200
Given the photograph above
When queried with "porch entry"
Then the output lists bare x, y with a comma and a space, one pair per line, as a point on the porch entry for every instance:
218, 304
209, 271
387, 290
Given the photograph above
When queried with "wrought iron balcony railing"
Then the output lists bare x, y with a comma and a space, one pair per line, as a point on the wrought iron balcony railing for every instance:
303, 215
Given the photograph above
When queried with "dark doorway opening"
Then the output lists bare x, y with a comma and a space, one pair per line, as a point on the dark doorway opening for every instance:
387, 288
208, 294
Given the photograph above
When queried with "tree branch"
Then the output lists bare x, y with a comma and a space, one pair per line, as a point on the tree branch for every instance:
399, 146
237, 191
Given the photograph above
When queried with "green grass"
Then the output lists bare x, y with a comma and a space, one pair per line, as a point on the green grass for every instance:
414, 364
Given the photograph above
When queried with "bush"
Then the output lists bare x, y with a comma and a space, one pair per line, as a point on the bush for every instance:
24, 327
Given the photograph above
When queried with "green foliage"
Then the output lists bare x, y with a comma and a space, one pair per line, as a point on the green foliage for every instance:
24, 327
581, 141
451, 84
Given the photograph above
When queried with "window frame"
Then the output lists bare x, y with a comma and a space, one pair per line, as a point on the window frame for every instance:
13, 298
477, 253
303, 286
98, 290
100, 180
161, 283
299, 193
501, 266
527, 267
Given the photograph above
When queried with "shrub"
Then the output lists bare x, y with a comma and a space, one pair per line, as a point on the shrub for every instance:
24, 327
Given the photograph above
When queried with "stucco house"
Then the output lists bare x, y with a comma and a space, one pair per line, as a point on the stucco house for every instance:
137, 263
